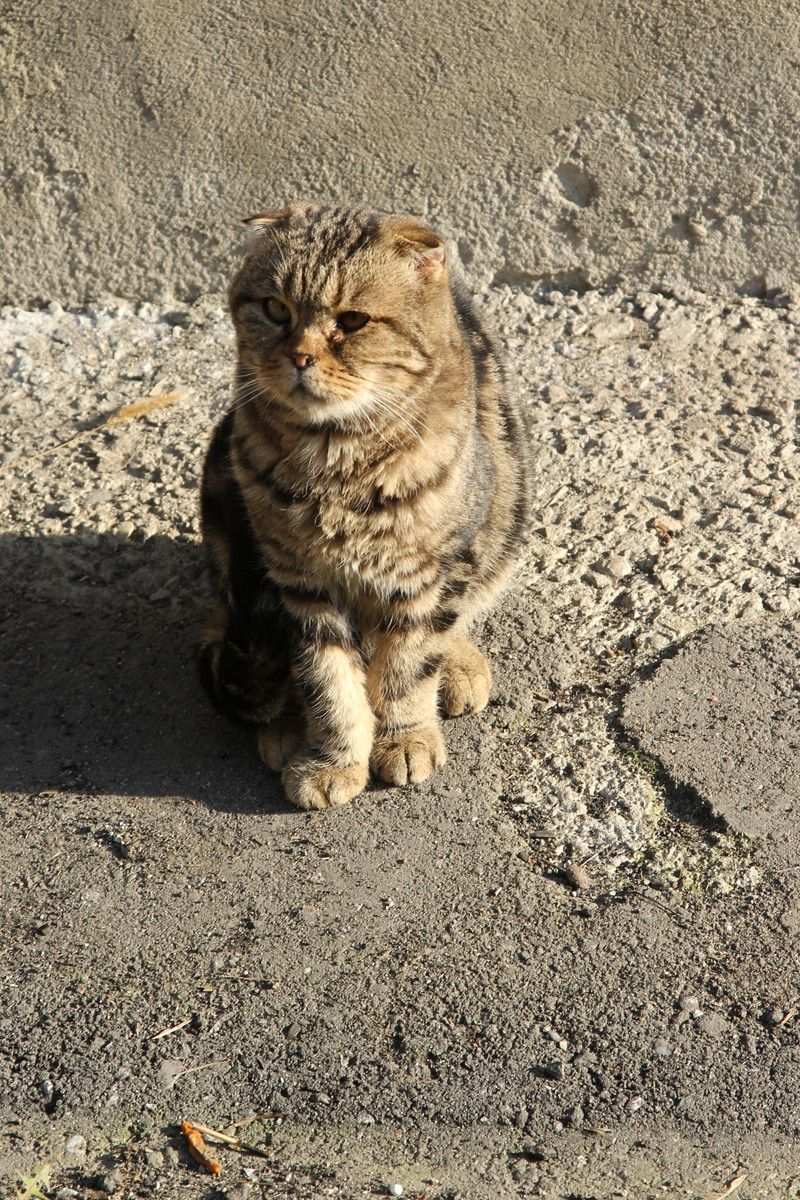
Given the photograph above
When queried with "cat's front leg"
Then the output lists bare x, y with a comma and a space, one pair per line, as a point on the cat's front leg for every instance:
334, 766
402, 684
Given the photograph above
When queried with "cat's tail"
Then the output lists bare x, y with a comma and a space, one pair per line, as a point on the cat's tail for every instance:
245, 676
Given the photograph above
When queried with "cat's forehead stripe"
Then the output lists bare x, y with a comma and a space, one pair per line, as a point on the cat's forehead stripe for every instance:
315, 256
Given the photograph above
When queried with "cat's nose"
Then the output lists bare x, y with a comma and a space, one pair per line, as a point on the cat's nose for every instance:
300, 360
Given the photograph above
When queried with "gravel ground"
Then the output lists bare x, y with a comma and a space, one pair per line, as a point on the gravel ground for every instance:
438, 971
664, 429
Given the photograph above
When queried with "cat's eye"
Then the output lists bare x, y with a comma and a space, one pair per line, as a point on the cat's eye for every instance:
351, 321
276, 310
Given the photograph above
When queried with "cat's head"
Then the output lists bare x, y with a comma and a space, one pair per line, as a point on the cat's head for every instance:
339, 310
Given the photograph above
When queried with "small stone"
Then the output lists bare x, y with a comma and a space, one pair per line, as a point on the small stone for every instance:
662, 1048
112, 1182
713, 1025
365, 1118
100, 496
677, 335
294, 1030
617, 566
239, 1191
667, 579
75, 1144
167, 1072
635, 1103
576, 1117
657, 642
536, 1152
613, 329
154, 1158
395, 1189
553, 1070
577, 877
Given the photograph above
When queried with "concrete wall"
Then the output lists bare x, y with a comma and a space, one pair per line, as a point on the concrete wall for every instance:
576, 141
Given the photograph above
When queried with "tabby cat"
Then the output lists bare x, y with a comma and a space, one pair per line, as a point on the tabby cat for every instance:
362, 503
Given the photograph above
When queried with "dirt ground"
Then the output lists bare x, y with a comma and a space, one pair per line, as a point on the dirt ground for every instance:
413, 989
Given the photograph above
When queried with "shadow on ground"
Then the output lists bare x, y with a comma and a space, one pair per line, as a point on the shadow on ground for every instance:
98, 679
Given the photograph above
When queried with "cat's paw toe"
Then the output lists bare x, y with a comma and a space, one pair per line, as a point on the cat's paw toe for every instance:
409, 755
312, 783
465, 680
279, 742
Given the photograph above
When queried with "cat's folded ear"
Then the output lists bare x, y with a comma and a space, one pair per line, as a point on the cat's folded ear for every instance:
259, 223
419, 243
261, 220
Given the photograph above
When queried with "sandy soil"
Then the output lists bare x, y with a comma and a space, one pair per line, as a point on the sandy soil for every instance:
410, 989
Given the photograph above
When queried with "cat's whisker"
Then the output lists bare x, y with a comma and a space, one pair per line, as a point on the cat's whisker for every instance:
399, 403
385, 406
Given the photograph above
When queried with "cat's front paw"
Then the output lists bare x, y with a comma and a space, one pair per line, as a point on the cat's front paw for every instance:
314, 783
465, 679
408, 755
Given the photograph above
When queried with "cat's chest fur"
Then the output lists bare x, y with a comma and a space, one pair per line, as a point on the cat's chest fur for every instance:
354, 517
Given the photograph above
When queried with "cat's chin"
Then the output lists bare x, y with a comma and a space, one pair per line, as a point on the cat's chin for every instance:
318, 405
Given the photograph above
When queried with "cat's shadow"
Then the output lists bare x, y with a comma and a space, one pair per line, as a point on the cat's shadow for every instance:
98, 688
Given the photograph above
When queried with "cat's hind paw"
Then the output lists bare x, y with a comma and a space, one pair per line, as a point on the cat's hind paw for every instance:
279, 742
408, 755
465, 679
314, 783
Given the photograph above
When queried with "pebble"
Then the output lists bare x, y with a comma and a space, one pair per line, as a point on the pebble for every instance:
395, 1189
713, 1025
613, 329
617, 566
662, 1047
577, 876
75, 1144
112, 1181
239, 1191
677, 335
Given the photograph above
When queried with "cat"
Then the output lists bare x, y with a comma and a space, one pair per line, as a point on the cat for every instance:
363, 501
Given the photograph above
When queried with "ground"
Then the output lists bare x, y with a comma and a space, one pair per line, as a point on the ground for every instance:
414, 989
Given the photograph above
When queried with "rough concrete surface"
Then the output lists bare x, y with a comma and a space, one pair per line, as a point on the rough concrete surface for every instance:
568, 965
578, 142
414, 988
722, 717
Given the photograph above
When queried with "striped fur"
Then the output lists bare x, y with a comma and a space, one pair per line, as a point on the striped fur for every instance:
363, 501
